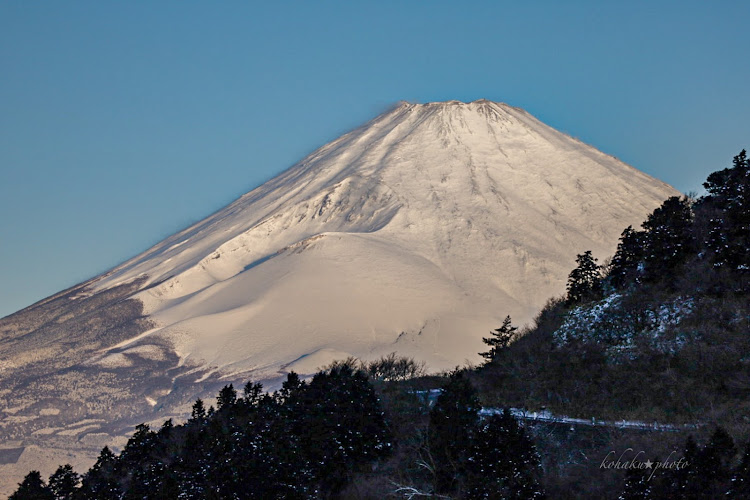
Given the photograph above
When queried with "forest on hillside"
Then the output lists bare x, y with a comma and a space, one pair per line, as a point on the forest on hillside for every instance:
659, 331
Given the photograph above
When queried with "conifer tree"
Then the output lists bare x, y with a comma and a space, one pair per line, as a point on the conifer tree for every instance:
139, 447
100, 482
668, 239
503, 462
341, 426
716, 457
500, 339
32, 488
685, 481
708, 470
627, 258
198, 413
729, 236
63, 483
585, 281
137, 468
227, 397
166, 430
252, 393
290, 387
451, 429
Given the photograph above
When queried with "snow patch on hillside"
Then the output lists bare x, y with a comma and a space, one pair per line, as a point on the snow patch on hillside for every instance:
610, 323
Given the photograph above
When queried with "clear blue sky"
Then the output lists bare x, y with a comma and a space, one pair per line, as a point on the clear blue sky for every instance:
122, 122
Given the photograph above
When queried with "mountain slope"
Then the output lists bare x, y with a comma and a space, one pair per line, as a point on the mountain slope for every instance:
435, 214
417, 232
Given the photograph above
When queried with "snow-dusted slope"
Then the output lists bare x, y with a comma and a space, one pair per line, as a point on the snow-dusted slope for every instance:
417, 232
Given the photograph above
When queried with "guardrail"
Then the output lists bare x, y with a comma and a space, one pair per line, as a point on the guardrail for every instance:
431, 395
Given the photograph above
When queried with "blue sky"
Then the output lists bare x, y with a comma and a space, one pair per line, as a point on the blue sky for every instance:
122, 122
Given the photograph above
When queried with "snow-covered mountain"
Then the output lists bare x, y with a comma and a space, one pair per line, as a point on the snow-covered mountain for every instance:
417, 232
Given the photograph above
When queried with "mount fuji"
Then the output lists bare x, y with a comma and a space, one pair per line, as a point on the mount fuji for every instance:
416, 233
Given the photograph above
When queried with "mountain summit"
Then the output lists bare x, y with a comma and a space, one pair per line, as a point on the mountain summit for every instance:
417, 233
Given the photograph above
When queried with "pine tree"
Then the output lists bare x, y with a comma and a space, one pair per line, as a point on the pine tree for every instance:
715, 462
729, 236
252, 393
227, 397
500, 339
708, 473
627, 259
290, 387
198, 413
32, 488
585, 281
64, 482
137, 467
340, 425
138, 448
100, 482
452, 425
669, 239
503, 462
193, 463
165, 431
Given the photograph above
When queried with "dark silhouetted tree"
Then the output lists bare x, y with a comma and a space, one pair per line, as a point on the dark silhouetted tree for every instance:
341, 426
227, 397
32, 488
198, 413
503, 462
729, 236
500, 339
290, 387
391, 368
668, 239
686, 477
708, 472
627, 259
715, 460
64, 482
100, 482
137, 466
585, 281
451, 429
252, 393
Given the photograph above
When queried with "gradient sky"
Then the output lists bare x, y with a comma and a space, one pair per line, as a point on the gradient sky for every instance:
123, 122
